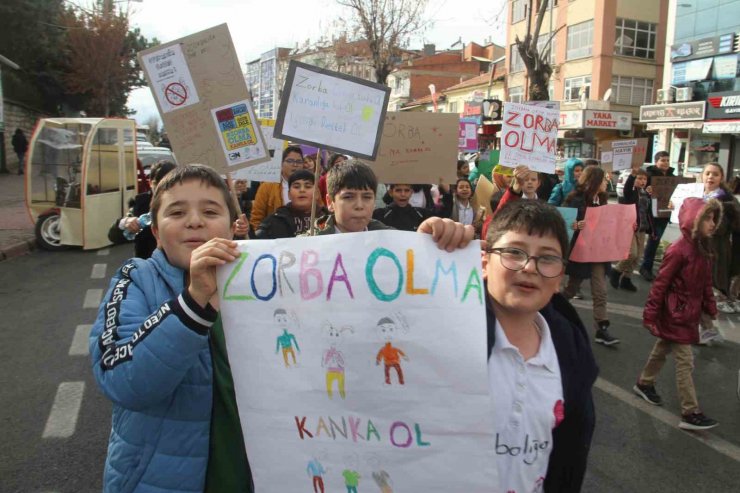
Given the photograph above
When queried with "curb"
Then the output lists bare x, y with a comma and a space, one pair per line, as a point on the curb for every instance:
16, 249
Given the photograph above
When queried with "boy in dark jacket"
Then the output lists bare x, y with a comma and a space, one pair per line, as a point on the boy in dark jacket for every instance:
541, 368
635, 193
293, 219
662, 167
681, 295
400, 214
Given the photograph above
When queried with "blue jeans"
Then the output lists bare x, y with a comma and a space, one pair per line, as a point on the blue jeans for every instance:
651, 248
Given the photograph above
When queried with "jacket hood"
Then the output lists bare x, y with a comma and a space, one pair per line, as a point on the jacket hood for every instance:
693, 211
569, 179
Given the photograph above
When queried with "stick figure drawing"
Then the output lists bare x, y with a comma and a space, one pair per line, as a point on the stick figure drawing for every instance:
390, 355
333, 358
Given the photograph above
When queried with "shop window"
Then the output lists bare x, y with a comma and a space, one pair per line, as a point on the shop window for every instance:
577, 88
580, 40
516, 94
635, 38
632, 91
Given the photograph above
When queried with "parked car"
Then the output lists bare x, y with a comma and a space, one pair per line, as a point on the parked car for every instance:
150, 155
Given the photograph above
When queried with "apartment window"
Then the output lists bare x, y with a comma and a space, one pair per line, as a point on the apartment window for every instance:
580, 40
542, 41
452, 107
635, 38
577, 88
519, 10
551, 90
516, 64
632, 91
516, 94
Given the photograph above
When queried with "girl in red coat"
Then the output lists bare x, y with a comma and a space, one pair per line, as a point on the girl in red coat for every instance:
680, 294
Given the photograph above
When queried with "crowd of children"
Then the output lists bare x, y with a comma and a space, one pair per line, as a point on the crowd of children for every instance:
158, 347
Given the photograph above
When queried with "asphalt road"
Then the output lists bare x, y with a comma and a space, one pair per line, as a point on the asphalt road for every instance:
55, 423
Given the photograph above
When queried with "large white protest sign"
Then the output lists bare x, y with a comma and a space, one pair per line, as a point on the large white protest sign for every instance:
359, 362
332, 111
529, 136
269, 171
682, 192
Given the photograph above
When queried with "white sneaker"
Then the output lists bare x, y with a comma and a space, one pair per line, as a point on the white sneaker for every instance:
726, 307
736, 306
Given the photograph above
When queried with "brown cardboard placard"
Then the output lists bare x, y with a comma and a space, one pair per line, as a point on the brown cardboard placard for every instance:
203, 100
663, 188
638, 146
484, 190
418, 148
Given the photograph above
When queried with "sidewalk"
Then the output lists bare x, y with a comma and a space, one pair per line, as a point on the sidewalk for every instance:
16, 228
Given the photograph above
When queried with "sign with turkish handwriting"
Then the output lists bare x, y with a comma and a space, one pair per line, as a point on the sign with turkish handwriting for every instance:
529, 136
418, 147
332, 110
662, 188
607, 235
346, 371
617, 155
203, 100
269, 171
468, 135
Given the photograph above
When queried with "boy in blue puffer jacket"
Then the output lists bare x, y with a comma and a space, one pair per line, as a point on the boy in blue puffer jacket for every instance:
150, 342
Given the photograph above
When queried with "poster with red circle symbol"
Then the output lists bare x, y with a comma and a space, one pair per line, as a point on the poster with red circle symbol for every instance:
171, 80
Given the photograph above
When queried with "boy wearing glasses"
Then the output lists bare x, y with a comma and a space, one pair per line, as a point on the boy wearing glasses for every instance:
541, 368
271, 196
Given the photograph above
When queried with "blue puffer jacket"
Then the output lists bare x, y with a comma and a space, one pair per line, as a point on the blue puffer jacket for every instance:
151, 357
561, 190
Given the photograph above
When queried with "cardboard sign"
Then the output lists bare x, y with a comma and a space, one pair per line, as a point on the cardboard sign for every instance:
332, 110
484, 190
345, 367
203, 101
617, 155
269, 171
417, 148
529, 136
607, 236
682, 192
570, 214
663, 187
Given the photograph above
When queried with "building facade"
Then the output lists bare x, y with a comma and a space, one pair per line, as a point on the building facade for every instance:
265, 77
696, 114
607, 58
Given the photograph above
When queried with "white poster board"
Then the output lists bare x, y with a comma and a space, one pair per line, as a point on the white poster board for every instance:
269, 171
529, 136
621, 158
332, 111
361, 358
681, 193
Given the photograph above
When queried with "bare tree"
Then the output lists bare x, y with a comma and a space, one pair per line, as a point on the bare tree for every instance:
536, 62
387, 26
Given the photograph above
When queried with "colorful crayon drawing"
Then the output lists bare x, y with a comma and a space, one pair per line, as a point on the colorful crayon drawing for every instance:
389, 354
316, 472
286, 340
333, 360
380, 475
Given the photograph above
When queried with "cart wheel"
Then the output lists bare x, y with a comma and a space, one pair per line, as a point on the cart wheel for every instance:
48, 232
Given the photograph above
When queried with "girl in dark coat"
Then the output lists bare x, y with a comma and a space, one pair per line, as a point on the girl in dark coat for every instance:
590, 192
680, 295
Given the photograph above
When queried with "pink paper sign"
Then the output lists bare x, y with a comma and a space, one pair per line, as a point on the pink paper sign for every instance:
607, 235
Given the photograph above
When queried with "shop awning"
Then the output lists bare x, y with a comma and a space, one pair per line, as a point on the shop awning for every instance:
722, 127
675, 125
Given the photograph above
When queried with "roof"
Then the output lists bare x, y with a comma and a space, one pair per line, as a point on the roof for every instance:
423, 100
481, 79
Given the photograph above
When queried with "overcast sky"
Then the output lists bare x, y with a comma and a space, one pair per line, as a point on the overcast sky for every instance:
258, 26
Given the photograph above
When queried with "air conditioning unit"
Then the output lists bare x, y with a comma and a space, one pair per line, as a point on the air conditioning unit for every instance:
666, 95
684, 94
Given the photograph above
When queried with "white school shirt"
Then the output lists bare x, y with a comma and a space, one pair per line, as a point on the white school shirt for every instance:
465, 214
527, 405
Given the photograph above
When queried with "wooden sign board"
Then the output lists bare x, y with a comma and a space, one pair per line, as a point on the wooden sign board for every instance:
418, 148
203, 100
663, 187
331, 110
613, 153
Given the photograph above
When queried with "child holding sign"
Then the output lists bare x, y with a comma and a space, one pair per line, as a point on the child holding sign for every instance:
541, 368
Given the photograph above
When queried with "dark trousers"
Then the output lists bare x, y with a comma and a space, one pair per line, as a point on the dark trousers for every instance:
318, 484
651, 248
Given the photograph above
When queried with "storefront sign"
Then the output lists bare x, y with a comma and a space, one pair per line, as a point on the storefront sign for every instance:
725, 67
702, 48
675, 125
616, 120
571, 119
672, 112
723, 105
728, 127
473, 108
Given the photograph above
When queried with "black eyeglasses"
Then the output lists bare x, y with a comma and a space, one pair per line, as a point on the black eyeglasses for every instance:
516, 259
294, 162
